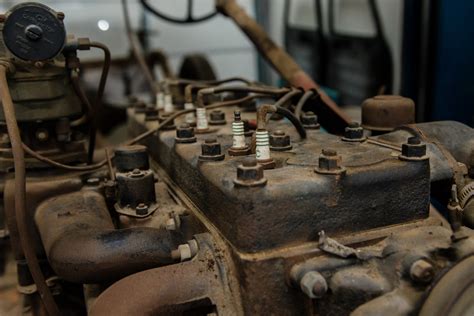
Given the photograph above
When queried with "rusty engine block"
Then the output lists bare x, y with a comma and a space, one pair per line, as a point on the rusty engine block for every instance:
231, 199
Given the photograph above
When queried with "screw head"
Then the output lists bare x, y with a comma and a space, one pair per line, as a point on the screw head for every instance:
422, 271
141, 209
250, 173
354, 132
211, 150
310, 120
33, 32
313, 284
280, 141
413, 149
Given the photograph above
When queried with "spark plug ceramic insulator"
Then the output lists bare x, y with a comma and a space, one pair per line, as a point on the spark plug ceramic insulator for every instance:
238, 137
168, 106
239, 147
263, 146
201, 120
190, 118
160, 100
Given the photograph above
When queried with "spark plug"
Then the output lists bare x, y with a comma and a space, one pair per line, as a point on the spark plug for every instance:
239, 147
201, 120
190, 118
262, 150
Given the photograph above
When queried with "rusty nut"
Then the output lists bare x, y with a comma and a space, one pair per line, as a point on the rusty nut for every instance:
211, 150
329, 163
280, 141
413, 150
313, 284
310, 120
151, 114
250, 174
354, 133
185, 134
217, 117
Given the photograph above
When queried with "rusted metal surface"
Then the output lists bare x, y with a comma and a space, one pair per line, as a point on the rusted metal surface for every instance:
384, 113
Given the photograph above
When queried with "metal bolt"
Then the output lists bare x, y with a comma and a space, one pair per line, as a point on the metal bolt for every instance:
421, 271
280, 141
136, 173
329, 163
413, 149
171, 224
185, 251
354, 133
33, 32
313, 284
151, 114
42, 135
211, 150
217, 117
185, 134
310, 120
93, 181
250, 173
141, 209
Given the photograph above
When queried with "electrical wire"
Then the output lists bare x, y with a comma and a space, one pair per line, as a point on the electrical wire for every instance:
306, 96
22, 221
98, 100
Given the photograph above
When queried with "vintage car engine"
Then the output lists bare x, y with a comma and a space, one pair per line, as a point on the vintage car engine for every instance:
230, 197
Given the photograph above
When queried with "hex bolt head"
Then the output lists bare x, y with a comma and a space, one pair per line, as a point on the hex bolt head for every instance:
141, 209
250, 173
354, 133
329, 163
310, 120
413, 150
151, 114
139, 106
422, 271
185, 134
280, 141
217, 117
313, 284
211, 150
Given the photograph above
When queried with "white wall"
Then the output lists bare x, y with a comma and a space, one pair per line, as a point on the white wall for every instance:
227, 48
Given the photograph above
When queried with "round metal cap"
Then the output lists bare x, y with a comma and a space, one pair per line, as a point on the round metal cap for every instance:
386, 112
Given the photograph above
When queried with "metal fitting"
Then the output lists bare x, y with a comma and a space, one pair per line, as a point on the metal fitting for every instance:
211, 150
141, 209
250, 174
160, 100
168, 103
413, 150
185, 134
168, 126
310, 120
329, 163
42, 134
239, 146
151, 114
217, 117
280, 141
262, 150
422, 271
190, 118
185, 251
313, 284
139, 107
354, 133
201, 120
93, 181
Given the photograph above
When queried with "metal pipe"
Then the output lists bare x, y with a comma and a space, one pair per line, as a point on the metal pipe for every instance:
83, 246
332, 117
20, 193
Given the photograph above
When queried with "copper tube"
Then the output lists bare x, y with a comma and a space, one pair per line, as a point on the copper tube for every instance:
20, 194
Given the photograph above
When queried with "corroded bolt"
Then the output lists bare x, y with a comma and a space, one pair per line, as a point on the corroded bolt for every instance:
217, 117
151, 114
313, 284
211, 150
421, 271
354, 132
185, 251
280, 141
141, 209
139, 106
310, 120
413, 149
329, 163
185, 134
250, 173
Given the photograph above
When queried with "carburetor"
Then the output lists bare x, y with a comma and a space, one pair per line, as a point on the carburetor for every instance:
230, 199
